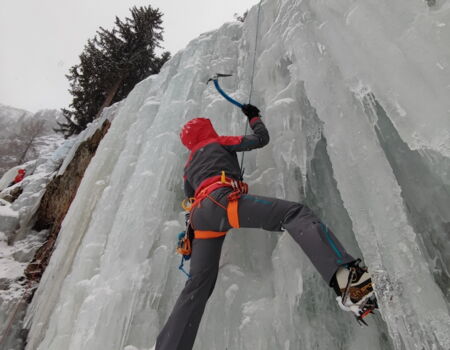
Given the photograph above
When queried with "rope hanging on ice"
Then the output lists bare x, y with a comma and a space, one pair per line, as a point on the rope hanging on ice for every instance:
216, 77
251, 81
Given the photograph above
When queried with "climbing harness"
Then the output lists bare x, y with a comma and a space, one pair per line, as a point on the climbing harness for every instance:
206, 188
184, 246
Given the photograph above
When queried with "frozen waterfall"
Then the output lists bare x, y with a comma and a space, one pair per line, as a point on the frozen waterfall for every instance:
355, 95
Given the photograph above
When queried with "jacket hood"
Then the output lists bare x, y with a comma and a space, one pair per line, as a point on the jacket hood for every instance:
196, 131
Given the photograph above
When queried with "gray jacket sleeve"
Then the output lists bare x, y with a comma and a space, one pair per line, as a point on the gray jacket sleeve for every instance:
259, 138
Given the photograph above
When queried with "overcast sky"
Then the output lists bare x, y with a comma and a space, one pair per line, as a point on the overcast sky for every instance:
41, 39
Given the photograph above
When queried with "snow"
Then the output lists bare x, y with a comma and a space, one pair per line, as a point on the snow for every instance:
358, 115
13, 260
15, 133
5, 210
18, 242
9, 268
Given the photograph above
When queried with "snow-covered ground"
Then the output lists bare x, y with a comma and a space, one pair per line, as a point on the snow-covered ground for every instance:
355, 96
18, 241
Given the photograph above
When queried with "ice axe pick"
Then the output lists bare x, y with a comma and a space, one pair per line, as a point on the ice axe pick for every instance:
215, 80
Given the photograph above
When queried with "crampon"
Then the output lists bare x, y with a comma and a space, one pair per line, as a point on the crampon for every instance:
357, 294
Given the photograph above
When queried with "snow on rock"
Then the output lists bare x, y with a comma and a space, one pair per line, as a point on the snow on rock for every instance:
6, 211
19, 241
358, 113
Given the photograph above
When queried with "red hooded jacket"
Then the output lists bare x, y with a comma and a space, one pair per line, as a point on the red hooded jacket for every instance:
20, 175
211, 154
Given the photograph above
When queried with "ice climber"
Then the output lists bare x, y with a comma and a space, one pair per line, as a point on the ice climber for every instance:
213, 178
19, 177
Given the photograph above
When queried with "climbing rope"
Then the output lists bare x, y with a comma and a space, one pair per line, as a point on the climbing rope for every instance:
254, 53
252, 79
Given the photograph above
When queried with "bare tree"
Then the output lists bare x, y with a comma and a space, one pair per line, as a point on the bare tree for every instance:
20, 147
26, 139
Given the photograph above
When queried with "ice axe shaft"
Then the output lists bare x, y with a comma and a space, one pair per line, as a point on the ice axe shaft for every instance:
215, 79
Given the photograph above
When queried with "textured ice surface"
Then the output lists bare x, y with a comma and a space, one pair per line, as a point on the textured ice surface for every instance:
355, 96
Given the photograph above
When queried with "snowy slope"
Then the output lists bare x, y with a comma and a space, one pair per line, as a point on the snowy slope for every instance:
355, 96
20, 238
15, 133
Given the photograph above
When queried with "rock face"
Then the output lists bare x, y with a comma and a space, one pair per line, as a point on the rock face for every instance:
54, 204
12, 195
31, 214
57, 199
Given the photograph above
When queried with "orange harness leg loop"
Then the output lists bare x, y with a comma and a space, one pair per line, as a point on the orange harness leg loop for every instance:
208, 234
203, 191
232, 212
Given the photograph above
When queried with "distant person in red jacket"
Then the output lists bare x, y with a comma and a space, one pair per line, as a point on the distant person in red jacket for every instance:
19, 177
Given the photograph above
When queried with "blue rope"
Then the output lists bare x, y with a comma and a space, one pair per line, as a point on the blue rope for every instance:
184, 258
182, 268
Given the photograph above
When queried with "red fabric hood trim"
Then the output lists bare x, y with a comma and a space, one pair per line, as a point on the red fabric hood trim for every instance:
197, 131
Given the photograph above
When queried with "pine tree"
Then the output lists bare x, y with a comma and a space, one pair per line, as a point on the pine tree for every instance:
241, 18
111, 65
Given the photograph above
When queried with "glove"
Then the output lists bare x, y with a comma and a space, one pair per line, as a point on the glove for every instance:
250, 111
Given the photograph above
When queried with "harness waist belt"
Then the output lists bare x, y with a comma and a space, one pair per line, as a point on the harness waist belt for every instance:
208, 186
215, 182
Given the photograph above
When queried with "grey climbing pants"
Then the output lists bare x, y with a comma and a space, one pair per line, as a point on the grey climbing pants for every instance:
316, 240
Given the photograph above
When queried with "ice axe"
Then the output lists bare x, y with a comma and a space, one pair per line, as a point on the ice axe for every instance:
215, 79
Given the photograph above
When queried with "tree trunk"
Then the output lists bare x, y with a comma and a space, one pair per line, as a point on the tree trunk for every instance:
27, 148
110, 96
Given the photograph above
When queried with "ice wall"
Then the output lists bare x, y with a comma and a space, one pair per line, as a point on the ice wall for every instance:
355, 96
